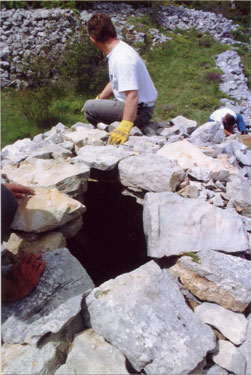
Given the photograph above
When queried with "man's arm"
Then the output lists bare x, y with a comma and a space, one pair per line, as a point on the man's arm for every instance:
19, 191
121, 133
131, 105
228, 133
107, 92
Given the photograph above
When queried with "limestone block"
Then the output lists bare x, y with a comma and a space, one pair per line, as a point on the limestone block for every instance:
232, 325
25, 359
142, 144
104, 158
19, 150
82, 136
150, 172
189, 191
211, 132
216, 370
82, 125
174, 225
188, 156
239, 189
91, 354
230, 358
243, 159
247, 222
225, 161
218, 201
54, 303
200, 174
46, 210
144, 315
217, 277
245, 348
51, 151
184, 124
20, 243
66, 177
71, 228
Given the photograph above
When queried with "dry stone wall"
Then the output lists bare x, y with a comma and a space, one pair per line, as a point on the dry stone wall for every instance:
173, 314
38, 32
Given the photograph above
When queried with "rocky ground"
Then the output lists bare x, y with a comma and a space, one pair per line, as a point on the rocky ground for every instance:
187, 308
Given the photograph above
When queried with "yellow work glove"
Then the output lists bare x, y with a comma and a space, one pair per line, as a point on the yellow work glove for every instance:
97, 97
121, 133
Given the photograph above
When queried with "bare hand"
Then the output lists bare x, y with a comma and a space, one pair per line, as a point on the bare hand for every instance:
19, 191
23, 277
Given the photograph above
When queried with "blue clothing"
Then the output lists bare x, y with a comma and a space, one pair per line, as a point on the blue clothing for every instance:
8, 209
240, 123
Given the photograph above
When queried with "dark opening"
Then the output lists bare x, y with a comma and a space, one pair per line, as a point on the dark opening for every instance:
112, 240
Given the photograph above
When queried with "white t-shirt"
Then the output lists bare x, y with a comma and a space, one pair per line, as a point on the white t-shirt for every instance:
219, 114
127, 71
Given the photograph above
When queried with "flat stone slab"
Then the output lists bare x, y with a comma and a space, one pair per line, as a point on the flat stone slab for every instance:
150, 172
188, 155
91, 354
232, 325
82, 136
210, 132
245, 348
47, 209
230, 358
174, 225
25, 359
20, 243
66, 177
54, 303
184, 124
239, 189
144, 144
144, 315
217, 277
104, 158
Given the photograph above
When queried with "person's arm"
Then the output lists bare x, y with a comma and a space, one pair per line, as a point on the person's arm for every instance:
227, 132
107, 93
131, 105
121, 134
19, 191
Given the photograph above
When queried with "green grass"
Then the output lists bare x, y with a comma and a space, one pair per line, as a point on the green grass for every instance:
179, 69
13, 123
183, 71
16, 126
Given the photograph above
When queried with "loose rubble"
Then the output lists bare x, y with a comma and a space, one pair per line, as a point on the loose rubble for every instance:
175, 313
196, 210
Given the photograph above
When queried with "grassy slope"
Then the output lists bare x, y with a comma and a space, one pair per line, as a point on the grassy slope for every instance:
179, 69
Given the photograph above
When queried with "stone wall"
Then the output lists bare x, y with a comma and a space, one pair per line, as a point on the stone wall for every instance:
40, 31
187, 308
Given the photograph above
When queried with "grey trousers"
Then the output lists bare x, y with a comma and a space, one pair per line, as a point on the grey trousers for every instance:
108, 111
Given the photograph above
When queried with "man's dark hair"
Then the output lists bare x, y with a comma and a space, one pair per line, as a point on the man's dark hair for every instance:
229, 122
101, 28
